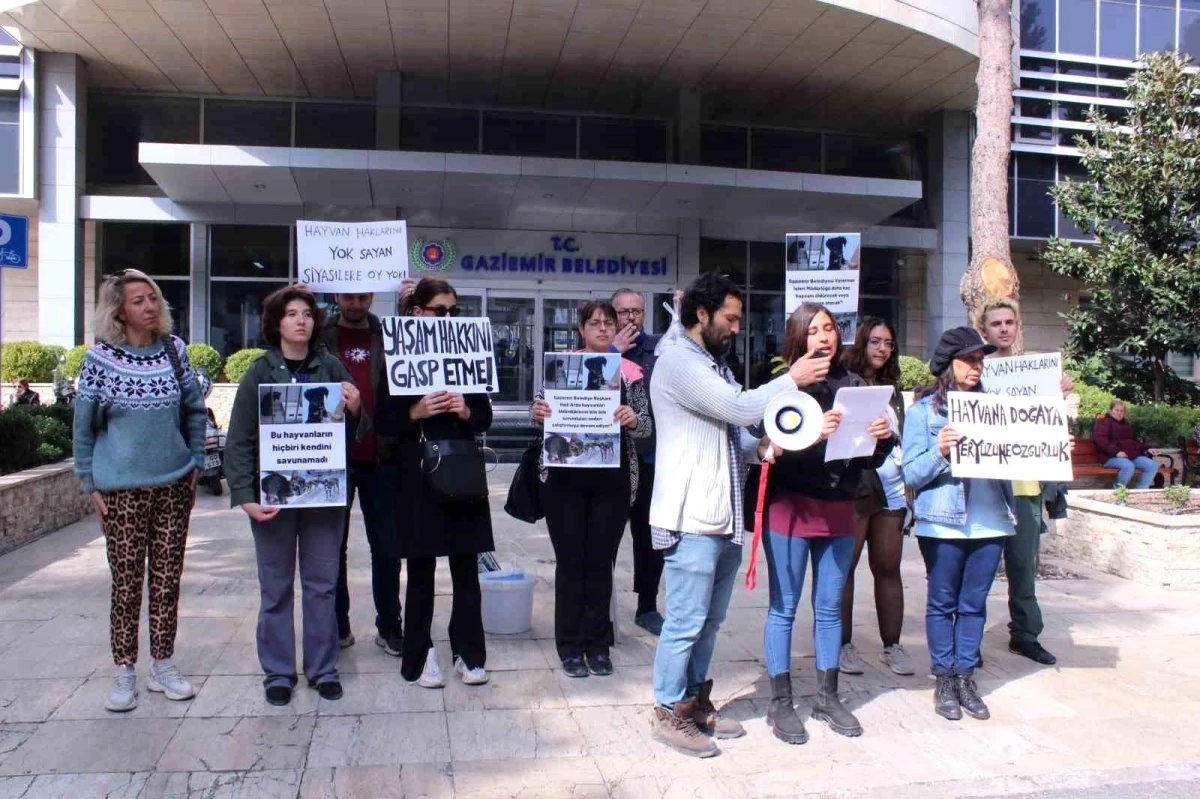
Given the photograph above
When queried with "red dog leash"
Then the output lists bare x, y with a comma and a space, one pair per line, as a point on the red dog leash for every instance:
752, 569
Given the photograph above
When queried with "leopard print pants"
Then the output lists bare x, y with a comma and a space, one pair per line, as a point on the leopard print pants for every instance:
146, 523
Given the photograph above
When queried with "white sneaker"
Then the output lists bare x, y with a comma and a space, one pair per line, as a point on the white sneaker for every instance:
899, 661
123, 696
432, 677
471, 676
850, 661
166, 679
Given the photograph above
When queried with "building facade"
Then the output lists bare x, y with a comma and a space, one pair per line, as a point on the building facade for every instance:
644, 141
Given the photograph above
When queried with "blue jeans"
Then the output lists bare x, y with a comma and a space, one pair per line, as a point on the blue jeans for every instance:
787, 558
1125, 467
960, 573
700, 571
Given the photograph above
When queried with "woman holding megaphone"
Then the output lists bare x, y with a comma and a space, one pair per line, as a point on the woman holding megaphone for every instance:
810, 515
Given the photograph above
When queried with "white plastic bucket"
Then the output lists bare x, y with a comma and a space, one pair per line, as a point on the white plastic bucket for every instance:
507, 601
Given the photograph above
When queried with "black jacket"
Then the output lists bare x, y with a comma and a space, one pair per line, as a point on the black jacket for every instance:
806, 472
643, 355
385, 445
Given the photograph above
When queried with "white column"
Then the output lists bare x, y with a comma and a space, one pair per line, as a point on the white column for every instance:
62, 95
198, 256
948, 195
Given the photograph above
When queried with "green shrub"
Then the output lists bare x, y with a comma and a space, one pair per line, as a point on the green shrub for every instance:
48, 453
914, 373
205, 357
1093, 401
18, 442
75, 357
238, 364
29, 359
1162, 425
53, 432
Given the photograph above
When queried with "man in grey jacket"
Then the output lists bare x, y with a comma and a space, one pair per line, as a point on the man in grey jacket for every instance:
696, 510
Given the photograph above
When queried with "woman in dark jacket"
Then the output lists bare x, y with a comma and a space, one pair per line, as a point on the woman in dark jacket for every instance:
1124, 451
427, 528
810, 513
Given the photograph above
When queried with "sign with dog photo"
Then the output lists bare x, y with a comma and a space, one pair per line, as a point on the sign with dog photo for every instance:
583, 390
823, 268
301, 445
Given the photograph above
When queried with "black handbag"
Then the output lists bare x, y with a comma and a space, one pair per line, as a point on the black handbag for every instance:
454, 469
525, 494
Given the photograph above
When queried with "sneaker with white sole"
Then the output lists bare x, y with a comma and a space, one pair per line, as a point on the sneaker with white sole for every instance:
898, 660
123, 696
432, 677
166, 679
470, 676
850, 661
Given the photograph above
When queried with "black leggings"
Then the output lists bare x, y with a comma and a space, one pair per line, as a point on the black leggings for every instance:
466, 615
585, 514
884, 532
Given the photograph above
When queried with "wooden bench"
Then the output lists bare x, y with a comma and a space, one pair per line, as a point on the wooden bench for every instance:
1191, 460
1086, 461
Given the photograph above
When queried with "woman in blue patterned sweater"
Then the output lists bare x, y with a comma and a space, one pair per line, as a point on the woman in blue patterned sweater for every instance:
139, 447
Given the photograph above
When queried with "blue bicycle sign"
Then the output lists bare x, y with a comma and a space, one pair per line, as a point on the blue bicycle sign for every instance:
14, 241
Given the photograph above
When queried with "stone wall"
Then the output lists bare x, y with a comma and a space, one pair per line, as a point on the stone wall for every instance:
39, 501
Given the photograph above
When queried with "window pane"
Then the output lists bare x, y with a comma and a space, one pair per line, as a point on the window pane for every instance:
439, 130
1077, 33
178, 294
1040, 64
247, 123
235, 315
250, 251
529, 134
151, 248
883, 307
764, 326
766, 265
1118, 27
10, 67
1037, 25
879, 272
10, 159
785, 151
341, 127
512, 330
1189, 27
865, 157
117, 124
1035, 108
1067, 228
1156, 31
1035, 209
623, 140
1037, 167
7, 40
724, 258
723, 146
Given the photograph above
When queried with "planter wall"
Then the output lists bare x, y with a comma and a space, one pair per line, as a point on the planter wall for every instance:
1148, 548
39, 501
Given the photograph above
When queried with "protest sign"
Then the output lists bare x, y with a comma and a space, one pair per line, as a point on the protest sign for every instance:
302, 445
1010, 438
425, 354
1023, 375
823, 268
583, 390
352, 258
859, 406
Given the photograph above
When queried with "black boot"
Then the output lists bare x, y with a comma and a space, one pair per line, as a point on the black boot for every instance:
968, 697
945, 698
828, 707
781, 716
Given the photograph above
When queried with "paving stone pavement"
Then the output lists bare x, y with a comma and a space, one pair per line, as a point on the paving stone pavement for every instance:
1117, 714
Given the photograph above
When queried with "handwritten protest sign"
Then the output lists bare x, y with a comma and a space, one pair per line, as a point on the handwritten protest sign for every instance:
1010, 438
822, 268
583, 390
1023, 375
439, 353
302, 445
352, 258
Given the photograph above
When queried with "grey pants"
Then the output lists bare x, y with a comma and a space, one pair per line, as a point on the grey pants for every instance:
317, 534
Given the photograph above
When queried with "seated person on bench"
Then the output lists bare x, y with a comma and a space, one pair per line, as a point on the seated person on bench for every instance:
1124, 451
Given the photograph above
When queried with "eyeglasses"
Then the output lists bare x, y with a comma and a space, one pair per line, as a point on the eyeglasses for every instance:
443, 310
886, 343
600, 324
631, 312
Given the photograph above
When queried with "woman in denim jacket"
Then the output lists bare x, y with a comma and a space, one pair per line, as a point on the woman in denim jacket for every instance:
960, 526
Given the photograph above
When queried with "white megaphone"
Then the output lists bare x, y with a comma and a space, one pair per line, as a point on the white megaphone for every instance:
793, 421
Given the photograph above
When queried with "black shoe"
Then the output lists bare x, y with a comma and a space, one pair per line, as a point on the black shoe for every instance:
278, 695
945, 698
331, 690
1032, 650
781, 715
600, 665
575, 667
827, 706
968, 697
651, 621
392, 643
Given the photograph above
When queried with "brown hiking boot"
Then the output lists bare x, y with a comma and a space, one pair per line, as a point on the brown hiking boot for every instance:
708, 718
678, 730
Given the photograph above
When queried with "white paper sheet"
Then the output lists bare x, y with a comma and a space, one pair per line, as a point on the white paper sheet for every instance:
859, 406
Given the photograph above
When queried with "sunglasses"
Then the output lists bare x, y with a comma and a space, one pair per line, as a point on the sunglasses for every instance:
442, 310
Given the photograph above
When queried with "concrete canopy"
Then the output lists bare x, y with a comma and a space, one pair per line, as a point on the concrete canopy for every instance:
847, 63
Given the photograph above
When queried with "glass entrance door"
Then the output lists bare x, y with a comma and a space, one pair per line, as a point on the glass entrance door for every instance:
513, 321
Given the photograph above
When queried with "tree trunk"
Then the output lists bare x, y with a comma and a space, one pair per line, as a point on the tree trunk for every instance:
1160, 379
991, 272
